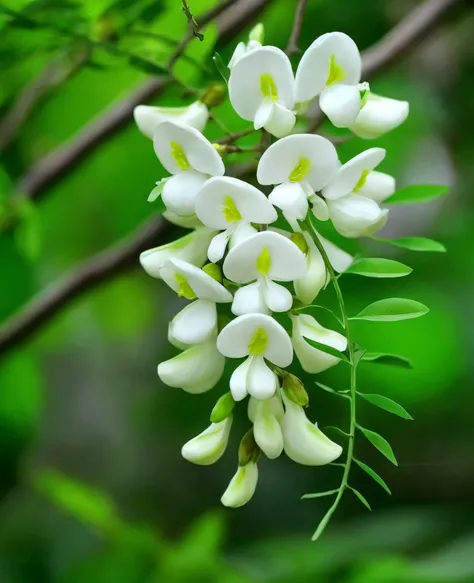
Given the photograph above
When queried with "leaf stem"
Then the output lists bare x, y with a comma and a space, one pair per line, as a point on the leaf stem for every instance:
353, 380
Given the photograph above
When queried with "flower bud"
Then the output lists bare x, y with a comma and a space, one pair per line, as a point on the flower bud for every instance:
379, 115
300, 241
214, 95
248, 449
267, 430
257, 33
223, 408
295, 391
242, 486
148, 117
207, 447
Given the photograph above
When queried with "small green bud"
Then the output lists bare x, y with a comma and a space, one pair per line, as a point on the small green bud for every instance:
214, 271
221, 149
299, 240
214, 94
248, 449
294, 390
302, 108
223, 408
257, 33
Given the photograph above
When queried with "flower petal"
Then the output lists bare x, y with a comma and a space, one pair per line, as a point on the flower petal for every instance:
148, 118
188, 222
239, 50
286, 261
179, 192
352, 215
209, 446
346, 178
264, 113
277, 297
266, 429
238, 380
340, 259
275, 403
308, 286
379, 115
291, 199
218, 246
261, 381
195, 323
242, 486
341, 103
314, 68
198, 151
319, 208
378, 186
280, 122
249, 300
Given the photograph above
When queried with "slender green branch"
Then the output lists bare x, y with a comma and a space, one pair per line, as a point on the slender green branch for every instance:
353, 385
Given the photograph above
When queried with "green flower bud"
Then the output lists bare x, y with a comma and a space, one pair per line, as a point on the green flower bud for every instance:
214, 94
257, 33
294, 390
248, 449
299, 240
221, 149
223, 408
214, 271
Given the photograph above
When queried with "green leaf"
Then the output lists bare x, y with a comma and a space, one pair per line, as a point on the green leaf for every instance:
28, 232
417, 193
319, 494
373, 474
387, 405
381, 444
329, 390
338, 429
375, 267
147, 66
414, 244
391, 310
322, 525
327, 349
221, 67
387, 359
362, 498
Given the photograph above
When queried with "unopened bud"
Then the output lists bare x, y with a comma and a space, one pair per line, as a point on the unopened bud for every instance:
299, 240
214, 271
221, 149
248, 449
294, 390
214, 94
223, 408
257, 33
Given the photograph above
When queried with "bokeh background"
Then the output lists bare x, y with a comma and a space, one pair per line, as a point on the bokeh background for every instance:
92, 484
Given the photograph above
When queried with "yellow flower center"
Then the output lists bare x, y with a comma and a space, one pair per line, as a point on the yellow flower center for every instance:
267, 87
230, 211
264, 261
178, 154
362, 180
336, 72
258, 342
300, 170
184, 289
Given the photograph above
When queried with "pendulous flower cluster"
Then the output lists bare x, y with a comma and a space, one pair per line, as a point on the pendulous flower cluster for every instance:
250, 267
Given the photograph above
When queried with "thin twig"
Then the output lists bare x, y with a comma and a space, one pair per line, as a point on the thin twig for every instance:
292, 47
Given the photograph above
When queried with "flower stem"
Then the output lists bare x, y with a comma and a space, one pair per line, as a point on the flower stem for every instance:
353, 384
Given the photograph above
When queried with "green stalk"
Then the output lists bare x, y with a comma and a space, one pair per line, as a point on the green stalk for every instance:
353, 385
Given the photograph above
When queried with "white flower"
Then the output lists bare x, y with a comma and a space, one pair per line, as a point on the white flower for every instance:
187, 222
379, 115
242, 486
230, 205
261, 88
353, 193
186, 154
148, 117
331, 68
259, 337
308, 286
266, 416
311, 359
196, 370
197, 321
304, 443
242, 49
264, 258
191, 248
301, 165
207, 447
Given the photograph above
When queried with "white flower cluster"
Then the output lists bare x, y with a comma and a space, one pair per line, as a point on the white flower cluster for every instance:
255, 268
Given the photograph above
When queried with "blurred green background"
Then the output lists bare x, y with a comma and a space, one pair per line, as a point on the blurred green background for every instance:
92, 484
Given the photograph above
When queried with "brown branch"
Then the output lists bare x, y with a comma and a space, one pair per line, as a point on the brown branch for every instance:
54, 166
109, 263
292, 47
408, 33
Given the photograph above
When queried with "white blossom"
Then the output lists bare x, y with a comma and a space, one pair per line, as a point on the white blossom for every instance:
230, 205
149, 117
379, 115
331, 69
266, 417
258, 337
304, 443
207, 447
242, 486
311, 359
261, 90
197, 321
190, 158
263, 258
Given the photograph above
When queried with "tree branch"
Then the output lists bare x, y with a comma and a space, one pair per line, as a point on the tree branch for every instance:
292, 47
109, 263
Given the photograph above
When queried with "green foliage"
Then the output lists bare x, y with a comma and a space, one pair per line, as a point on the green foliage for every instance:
374, 267
222, 68
414, 244
391, 310
387, 359
327, 349
319, 494
387, 405
373, 474
418, 193
360, 497
380, 443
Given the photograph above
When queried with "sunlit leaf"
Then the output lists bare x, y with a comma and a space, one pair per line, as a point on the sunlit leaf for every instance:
381, 444
387, 359
387, 405
28, 231
361, 498
417, 193
327, 349
373, 474
379, 267
391, 310
319, 494
414, 244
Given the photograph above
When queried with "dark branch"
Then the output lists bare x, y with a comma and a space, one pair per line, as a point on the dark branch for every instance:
292, 47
